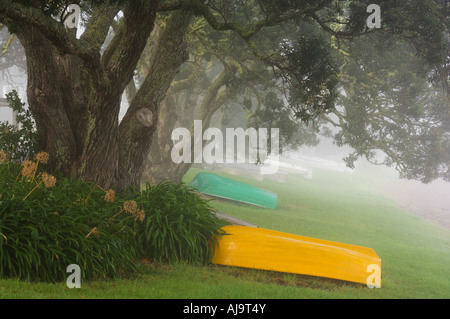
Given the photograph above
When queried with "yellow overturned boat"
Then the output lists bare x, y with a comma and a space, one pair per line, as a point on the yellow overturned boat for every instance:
266, 249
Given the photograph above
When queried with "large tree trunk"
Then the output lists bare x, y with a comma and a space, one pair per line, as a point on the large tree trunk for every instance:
75, 97
160, 165
141, 120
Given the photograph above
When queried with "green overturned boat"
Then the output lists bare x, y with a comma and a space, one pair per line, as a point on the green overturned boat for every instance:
222, 187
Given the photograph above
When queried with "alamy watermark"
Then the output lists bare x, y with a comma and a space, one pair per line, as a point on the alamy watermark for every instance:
374, 20
74, 280
374, 279
213, 152
72, 16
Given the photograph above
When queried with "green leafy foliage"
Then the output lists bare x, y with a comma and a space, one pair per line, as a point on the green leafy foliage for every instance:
272, 113
20, 143
314, 77
416, 20
390, 114
179, 224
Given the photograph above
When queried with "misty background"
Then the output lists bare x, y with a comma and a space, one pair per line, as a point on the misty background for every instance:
430, 201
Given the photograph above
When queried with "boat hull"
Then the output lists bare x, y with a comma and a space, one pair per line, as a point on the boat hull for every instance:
218, 186
266, 249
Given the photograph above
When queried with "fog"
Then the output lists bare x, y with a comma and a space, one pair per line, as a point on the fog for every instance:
431, 201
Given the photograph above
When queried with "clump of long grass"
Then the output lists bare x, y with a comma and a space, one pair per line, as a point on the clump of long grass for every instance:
180, 225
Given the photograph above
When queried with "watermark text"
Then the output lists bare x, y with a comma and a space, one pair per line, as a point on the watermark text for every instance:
213, 151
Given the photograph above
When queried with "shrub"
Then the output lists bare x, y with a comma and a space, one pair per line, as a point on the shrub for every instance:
48, 223
20, 143
179, 224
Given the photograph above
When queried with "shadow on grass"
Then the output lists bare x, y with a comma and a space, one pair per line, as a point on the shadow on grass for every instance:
284, 279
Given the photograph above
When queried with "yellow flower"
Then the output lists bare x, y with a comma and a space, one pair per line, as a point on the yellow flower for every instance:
130, 206
140, 215
49, 180
93, 231
110, 196
42, 157
28, 168
3, 157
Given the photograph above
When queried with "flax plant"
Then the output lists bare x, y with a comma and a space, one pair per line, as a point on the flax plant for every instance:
179, 224
48, 222
43, 230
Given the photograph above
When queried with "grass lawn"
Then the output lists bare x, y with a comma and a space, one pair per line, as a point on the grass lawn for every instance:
335, 206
